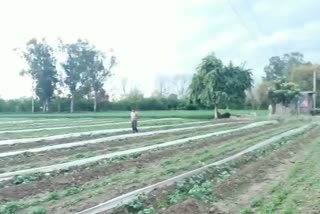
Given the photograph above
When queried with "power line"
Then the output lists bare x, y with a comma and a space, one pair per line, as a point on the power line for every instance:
244, 24
255, 19
257, 23
240, 19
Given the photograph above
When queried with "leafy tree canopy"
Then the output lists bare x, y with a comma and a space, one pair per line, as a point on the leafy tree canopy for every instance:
283, 92
214, 84
280, 67
42, 69
302, 75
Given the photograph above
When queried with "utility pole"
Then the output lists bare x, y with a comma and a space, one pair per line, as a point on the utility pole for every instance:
314, 87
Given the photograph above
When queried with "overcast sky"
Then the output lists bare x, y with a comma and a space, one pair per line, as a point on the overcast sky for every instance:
160, 37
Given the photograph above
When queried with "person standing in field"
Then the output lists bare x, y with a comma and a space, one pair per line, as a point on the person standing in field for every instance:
134, 120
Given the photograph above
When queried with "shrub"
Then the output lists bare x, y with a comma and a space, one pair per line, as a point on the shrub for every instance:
53, 196
257, 202
11, 207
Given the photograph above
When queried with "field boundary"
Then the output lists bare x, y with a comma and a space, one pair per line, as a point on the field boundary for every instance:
128, 197
8, 175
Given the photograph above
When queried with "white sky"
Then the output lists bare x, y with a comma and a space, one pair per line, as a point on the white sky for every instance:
159, 37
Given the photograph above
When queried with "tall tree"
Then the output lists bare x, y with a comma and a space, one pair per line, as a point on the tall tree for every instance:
163, 86
302, 75
59, 90
76, 68
28, 74
208, 87
98, 70
214, 84
280, 67
262, 94
42, 69
182, 83
124, 86
135, 93
240, 79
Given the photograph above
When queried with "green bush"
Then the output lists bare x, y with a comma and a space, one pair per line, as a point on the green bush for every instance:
257, 202
72, 191
10, 208
53, 196
246, 211
62, 104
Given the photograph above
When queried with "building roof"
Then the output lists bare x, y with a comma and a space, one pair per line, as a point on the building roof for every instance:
307, 92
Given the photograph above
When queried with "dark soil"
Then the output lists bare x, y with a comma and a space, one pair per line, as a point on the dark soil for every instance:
192, 206
189, 206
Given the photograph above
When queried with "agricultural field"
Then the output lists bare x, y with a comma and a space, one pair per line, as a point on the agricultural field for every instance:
196, 114
173, 165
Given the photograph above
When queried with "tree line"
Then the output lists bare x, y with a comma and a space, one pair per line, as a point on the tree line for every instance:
84, 71
76, 82
285, 77
72, 76
215, 85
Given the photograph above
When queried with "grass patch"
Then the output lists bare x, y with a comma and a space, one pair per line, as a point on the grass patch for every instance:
275, 188
257, 202
53, 196
74, 201
11, 207
23, 179
246, 211
72, 191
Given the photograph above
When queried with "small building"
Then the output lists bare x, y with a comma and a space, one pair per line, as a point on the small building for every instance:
303, 105
305, 102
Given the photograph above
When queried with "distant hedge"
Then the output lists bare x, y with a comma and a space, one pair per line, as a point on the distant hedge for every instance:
86, 105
